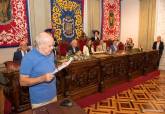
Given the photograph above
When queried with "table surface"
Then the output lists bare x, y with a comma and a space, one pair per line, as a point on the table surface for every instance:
55, 108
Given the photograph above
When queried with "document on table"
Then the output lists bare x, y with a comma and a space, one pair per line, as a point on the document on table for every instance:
65, 64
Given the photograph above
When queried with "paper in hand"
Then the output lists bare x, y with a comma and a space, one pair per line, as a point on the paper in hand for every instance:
62, 66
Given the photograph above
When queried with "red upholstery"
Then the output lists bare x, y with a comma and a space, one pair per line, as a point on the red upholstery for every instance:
81, 43
107, 43
5, 105
7, 109
63, 48
120, 46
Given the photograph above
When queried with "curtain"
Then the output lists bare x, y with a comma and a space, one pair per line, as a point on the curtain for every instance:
110, 19
94, 9
14, 23
147, 23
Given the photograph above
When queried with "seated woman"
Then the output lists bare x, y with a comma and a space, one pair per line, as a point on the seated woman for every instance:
101, 47
21, 51
129, 44
88, 48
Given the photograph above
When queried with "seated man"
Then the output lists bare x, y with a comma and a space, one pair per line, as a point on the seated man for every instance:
129, 44
36, 71
96, 35
20, 52
113, 46
73, 48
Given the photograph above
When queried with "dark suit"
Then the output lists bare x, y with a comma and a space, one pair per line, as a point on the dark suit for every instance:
161, 48
73, 50
18, 56
94, 39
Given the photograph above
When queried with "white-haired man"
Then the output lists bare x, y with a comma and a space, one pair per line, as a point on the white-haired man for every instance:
35, 71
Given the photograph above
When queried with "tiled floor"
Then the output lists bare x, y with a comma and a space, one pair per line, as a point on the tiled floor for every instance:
146, 98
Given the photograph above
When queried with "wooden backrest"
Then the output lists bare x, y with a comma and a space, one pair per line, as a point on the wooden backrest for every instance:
63, 48
12, 66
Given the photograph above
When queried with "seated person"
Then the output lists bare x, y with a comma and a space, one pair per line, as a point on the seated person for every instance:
96, 35
20, 52
35, 72
73, 48
129, 44
113, 46
101, 46
88, 48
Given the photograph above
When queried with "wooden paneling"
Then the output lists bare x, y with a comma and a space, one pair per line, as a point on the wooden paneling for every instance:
85, 77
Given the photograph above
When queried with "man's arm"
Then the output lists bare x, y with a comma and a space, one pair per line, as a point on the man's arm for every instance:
25, 80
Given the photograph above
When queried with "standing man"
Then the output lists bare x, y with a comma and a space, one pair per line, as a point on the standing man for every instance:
35, 71
158, 45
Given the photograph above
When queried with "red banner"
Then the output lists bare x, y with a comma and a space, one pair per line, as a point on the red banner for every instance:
14, 26
110, 19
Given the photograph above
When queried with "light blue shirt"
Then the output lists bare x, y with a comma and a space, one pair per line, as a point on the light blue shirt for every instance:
34, 64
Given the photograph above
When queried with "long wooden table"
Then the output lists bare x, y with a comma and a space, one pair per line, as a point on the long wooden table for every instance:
85, 77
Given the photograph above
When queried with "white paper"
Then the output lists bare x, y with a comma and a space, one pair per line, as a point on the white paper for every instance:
65, 64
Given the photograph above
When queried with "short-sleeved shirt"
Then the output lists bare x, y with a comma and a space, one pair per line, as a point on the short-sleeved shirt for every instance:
34, 64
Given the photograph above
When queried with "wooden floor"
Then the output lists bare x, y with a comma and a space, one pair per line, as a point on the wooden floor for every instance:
146, 98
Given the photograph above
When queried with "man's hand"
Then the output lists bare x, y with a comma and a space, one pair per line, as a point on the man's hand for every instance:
48, 77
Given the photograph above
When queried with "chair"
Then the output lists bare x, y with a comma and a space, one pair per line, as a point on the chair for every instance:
120, 46
17, 95
63, 48
5, 104
11, 66
81, 43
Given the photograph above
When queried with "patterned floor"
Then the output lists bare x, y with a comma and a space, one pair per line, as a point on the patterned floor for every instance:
146, 98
